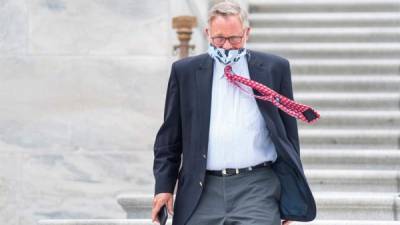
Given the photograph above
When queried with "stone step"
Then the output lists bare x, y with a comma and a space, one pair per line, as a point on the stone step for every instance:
323, 180
361, 159
346, 66
287, 6
350, 138
379, 119
148, 222
350, 101
342, 83
348, 222
341, 34
326, 19
331, 205
330, 50
136, 206
357, 206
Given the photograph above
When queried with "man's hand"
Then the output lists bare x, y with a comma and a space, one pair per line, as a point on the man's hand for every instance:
160, 200
286, 222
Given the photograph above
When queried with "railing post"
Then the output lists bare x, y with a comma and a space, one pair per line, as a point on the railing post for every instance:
183, 26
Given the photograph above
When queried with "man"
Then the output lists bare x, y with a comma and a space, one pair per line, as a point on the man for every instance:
240, 155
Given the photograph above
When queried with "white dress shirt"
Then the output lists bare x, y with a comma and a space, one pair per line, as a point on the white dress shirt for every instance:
238, 135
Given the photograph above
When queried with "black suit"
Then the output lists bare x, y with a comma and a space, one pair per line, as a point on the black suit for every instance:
186, 127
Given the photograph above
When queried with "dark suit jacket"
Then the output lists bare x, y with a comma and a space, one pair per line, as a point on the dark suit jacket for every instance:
184, 135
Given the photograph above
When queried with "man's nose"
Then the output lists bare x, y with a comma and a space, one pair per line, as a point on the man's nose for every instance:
227, 45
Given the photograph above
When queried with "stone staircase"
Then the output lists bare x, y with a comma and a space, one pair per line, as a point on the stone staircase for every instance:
345, 62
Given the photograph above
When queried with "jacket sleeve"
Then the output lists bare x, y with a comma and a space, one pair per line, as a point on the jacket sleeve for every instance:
289, 121
168, 142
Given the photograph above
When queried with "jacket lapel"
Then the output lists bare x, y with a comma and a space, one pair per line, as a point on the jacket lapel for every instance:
204, 75
259, 72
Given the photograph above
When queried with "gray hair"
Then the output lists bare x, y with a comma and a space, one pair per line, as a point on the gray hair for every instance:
227, 8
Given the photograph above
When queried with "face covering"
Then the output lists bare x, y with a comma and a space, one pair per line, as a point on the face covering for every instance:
226, 57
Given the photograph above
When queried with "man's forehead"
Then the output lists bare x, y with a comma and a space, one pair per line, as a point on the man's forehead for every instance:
226, 21
225, 29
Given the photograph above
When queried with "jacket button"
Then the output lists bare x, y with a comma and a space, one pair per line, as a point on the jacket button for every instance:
204, 156
201, 184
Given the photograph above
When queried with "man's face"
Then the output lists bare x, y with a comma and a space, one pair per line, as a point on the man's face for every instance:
227, 27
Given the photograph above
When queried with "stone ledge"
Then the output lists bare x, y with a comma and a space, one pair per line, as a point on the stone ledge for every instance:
344, 205
148, 222
97, 222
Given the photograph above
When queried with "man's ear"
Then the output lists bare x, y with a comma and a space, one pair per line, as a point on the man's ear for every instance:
207, 34
247, 33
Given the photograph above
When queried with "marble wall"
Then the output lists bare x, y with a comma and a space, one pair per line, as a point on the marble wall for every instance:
82, 90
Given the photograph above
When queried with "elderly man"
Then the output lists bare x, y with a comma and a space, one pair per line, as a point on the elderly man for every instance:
240, 155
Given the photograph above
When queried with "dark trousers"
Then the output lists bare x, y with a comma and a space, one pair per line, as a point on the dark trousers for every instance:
250, 198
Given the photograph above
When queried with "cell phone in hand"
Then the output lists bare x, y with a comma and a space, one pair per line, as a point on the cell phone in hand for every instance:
163, 215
